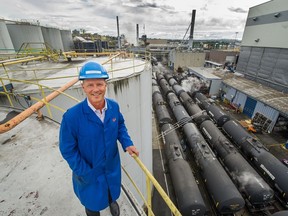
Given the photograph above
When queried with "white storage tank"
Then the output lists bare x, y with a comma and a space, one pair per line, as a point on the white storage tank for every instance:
6, 45
26, 33
67, 40
52, 37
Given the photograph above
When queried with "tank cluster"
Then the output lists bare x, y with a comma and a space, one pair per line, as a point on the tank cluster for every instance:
221, 149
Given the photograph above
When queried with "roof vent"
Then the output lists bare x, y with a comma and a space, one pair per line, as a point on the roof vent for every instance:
257, 40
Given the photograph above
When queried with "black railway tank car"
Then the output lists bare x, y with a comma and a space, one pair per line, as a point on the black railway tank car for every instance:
178, 110
197, 114
271, 168
166, 88
281, 213
256, 191
160, 108
189, 198
226, 197
172, 82
178, 89
218, 116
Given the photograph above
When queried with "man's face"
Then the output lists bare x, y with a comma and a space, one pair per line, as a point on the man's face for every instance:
95, 90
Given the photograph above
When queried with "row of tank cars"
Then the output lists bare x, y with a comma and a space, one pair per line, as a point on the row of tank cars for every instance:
236, 168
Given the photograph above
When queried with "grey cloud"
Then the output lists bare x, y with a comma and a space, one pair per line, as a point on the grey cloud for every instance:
204, 8
237, 10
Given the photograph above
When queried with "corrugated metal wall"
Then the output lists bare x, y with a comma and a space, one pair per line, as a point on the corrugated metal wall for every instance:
6, 45
53, 38
67, 40
265, 65
249, 106
230, 93
24, 33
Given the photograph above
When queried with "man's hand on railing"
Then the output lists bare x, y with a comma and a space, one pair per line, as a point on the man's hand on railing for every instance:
132, 150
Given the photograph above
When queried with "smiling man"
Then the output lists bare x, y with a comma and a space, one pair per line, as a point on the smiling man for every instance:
88, 142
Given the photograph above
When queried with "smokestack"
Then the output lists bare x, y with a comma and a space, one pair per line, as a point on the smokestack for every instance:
192, 30
137, 35
118, 34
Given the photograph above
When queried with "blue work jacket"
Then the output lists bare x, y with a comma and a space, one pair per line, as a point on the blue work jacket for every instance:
90, 148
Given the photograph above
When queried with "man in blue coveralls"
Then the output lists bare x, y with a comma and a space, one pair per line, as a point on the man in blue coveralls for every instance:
88, 142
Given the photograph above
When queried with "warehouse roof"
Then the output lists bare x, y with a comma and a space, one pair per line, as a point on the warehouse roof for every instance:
204, 73
271, 97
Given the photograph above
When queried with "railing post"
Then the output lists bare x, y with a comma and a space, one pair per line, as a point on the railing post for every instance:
149, 197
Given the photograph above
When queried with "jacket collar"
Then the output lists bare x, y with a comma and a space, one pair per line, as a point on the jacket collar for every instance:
92, 116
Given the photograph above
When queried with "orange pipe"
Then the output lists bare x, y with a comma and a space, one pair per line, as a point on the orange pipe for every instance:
34, 108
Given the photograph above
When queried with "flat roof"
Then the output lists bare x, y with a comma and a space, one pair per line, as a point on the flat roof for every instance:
204, 73
269, 96
214, 63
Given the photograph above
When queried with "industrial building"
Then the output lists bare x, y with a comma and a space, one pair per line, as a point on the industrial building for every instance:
263, 61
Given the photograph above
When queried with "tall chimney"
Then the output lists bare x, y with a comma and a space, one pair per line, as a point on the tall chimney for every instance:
192, 30
118, 34
137, 35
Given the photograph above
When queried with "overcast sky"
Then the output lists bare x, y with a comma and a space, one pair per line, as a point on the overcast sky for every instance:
169, 19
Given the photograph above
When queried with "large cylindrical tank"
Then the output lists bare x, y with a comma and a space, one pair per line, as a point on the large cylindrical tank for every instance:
67, 40
6, 45
26, 33
52, 37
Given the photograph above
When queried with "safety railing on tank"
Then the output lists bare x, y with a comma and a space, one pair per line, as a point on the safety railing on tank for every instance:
35, 108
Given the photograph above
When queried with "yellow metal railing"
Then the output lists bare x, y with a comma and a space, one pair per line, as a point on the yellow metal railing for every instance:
150, 179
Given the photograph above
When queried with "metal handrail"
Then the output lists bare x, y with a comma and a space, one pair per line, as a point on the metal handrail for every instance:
150, 178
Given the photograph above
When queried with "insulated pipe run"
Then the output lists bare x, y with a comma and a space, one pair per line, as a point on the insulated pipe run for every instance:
34, 108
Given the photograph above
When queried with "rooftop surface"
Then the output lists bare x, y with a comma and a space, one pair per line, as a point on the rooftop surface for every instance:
205, 73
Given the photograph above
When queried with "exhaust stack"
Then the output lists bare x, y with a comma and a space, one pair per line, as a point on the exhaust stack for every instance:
190, 44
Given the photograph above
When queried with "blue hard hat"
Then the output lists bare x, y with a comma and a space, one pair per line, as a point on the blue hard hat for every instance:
93, 70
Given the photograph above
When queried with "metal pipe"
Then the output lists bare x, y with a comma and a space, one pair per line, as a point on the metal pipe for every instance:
22, 60
34, 108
